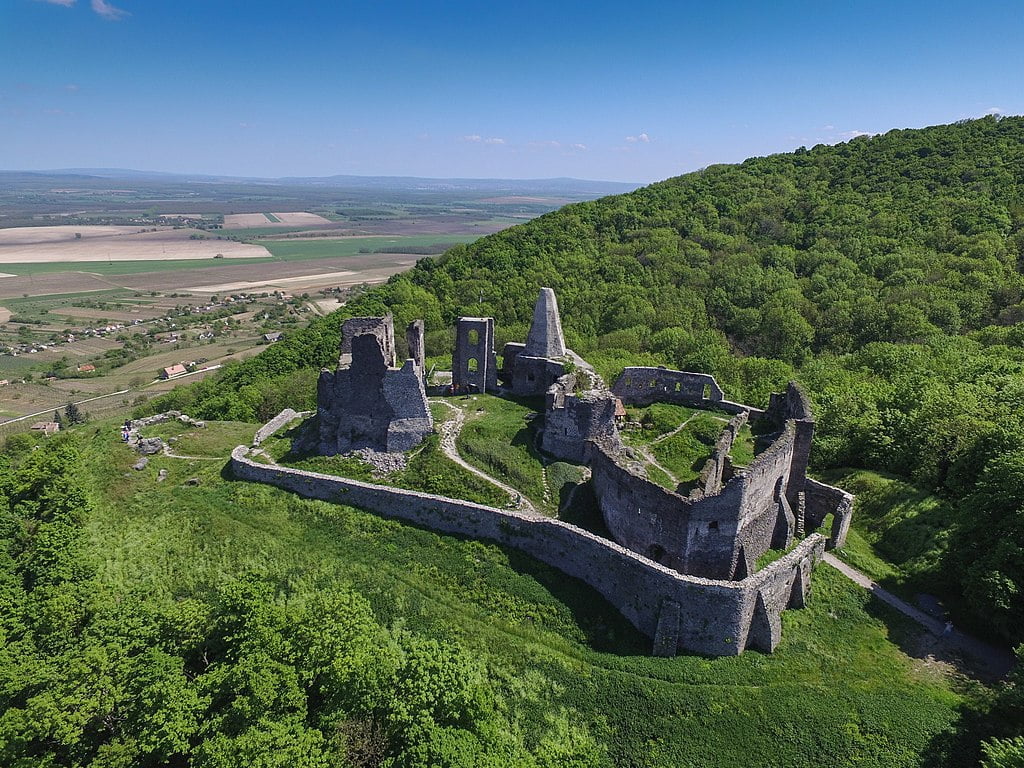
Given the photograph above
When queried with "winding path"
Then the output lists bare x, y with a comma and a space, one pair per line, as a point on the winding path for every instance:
449, 434
648, 454
997, 661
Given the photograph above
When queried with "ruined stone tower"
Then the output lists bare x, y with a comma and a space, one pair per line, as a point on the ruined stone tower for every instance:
474, 363
545, 338
530, 368
367, 402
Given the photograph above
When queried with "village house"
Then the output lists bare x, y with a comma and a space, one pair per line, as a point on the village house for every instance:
172, 371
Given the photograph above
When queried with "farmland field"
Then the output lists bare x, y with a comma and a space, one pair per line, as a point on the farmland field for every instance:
234, 221
33, 245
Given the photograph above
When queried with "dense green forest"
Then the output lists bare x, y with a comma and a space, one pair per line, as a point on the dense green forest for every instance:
884, 273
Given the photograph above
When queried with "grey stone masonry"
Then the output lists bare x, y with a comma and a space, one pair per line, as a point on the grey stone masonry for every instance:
531, 368
573, 420
474, 362
381, 327
643, 385
737, 513
417, 348
367, 402
822, 500
273, 425
545, 338
717, 618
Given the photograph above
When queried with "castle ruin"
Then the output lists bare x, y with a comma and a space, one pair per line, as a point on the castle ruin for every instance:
682, 566
367, 402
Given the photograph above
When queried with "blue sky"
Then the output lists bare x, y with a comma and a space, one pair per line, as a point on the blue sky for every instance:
601, 90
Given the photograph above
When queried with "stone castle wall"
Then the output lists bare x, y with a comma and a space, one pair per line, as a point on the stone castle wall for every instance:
643, 385
527, 375
719, 464
681, 613
718, 535
573, 421
820, 501
273, 425
367, 402
474, 362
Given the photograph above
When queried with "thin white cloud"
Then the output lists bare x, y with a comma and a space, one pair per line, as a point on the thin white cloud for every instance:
854, 134
476, 138
71, 87
107, 11
65, 3
994, 111
642, 138
580, 147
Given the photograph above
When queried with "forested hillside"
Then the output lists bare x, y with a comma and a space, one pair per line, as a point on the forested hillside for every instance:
885, 274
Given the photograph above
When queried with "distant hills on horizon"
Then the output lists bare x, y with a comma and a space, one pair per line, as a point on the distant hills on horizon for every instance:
550, 185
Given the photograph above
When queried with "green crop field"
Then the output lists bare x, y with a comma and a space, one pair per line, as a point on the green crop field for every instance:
123, 267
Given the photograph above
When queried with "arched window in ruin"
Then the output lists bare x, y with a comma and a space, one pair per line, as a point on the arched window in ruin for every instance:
471, 365
474, 336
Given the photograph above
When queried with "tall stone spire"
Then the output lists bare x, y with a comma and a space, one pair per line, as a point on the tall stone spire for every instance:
545, 339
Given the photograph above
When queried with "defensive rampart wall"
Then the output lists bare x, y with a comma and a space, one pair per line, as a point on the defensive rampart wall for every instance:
643, 385
819, 501
717, 618
273, 425
718, 535
714, 469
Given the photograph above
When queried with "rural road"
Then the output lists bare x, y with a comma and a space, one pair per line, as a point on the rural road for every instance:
51, 410
997, 661
110, 394
449, 434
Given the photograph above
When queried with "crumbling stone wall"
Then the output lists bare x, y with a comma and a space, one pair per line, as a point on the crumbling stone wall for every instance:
643, 385
573, 421
822, 500
686, 613
474, 362
273, 425
526, 375
794, 405
736, 514
719, 465
530, 369
367, 402
417, 347
382, 328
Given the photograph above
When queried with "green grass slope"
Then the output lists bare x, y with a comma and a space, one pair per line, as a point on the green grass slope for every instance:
567, 671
